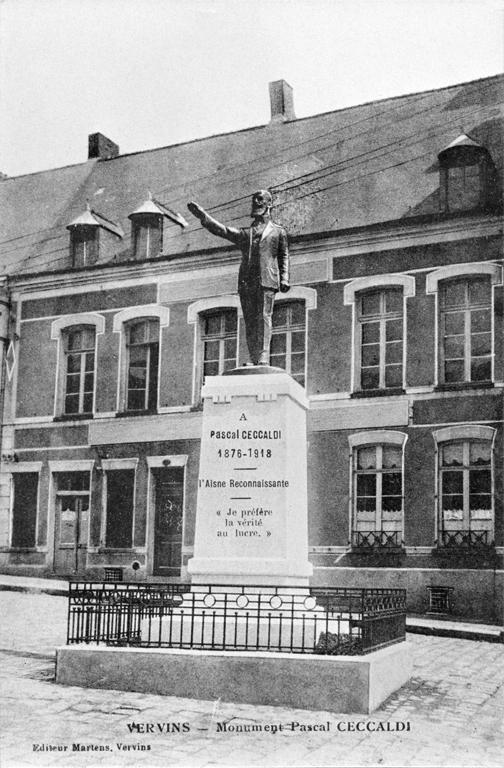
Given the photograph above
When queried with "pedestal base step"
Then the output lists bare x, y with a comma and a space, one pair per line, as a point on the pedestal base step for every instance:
342, 684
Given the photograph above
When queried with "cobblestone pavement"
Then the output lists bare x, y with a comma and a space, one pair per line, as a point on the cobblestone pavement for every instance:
454, 705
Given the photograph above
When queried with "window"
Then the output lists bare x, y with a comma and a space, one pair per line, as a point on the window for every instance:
465, 485
219, 341
142, 347
462, 187
467, 176
75, 382
79, 351
84, 245
120, 500
378, 495
465, 330
24, 509
86, 231
380, 320
288, 341
147, 235
147, 227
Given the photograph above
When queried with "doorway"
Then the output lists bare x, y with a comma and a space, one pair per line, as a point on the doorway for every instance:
168, 516
71, 522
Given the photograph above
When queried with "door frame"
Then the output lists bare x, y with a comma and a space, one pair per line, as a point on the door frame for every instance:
76, 547
162, 462
77, 465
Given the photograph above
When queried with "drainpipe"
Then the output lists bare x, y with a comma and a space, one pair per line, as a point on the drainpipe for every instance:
4, 342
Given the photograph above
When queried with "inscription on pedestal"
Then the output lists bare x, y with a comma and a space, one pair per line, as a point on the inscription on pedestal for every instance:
251, 512
243, 493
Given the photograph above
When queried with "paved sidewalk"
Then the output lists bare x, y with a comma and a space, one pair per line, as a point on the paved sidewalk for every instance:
454, 705
33, 585
431, 625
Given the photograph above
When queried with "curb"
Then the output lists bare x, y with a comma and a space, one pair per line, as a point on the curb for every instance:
461, 634
58, 591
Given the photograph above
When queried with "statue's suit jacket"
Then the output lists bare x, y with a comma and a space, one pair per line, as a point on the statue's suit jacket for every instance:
273, 251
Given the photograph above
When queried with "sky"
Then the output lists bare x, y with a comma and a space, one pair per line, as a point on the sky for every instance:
149, 73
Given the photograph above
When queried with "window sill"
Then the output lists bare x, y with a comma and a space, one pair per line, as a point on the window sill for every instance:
378, 392
381, 550
463, 385
20, 549
73, 417
126, 414
116, 550
465, 547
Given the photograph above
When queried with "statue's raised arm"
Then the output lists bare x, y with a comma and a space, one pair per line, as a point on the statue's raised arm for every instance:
264, 269
214, 226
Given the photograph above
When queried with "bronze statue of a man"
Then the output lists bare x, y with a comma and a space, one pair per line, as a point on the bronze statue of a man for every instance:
264, 269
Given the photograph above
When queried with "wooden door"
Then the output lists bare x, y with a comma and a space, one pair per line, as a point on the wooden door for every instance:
72, 522
168, 513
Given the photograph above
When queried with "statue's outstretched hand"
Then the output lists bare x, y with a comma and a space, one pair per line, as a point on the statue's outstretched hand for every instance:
196, 210
284, 287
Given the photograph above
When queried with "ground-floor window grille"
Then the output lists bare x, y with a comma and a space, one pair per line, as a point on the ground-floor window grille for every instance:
440, 599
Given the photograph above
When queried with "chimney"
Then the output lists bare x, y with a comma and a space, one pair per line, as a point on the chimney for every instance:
282, 102
101, 147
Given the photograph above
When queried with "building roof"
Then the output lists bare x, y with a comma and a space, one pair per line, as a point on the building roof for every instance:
353, 167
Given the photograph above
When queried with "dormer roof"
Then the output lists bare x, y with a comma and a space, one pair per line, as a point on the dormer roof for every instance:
152, 206
463, 145
90, 218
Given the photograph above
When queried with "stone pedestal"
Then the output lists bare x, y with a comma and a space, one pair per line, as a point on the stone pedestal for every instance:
344, 684
251, 518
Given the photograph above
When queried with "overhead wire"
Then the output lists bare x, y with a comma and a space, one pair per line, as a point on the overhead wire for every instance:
326, 188
349, 164
413, 97
246, 163
282, 151
303, 179
329, 146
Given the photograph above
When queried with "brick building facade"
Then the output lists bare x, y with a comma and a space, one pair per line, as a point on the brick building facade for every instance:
116, 306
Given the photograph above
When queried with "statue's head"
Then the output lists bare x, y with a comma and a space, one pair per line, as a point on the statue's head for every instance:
261, 202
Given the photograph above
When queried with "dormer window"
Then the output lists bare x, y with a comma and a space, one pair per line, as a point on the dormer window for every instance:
84, 245
85, 236
147, 228
147, 235
467, 176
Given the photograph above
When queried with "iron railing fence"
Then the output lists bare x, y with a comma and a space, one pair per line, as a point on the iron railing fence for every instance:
377, 539
466, 539
321, 620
